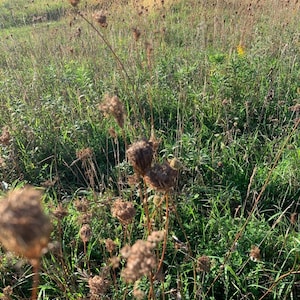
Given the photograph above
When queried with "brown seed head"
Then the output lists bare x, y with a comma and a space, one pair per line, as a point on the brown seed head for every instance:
24, 228
84, 154
140, 261
110, 245
203, 264
82, 205
161, 177
114, 107
293, 218
60, 212
140, 155
74, 2
98, 286
136, 33
5, 137
255, 253
7, 293
100, 18
85, 232
124, 211
156, 237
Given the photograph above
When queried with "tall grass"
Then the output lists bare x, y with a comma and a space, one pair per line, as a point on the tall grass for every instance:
213, 87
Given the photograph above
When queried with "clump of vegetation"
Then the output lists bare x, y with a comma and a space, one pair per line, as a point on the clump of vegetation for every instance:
165, 135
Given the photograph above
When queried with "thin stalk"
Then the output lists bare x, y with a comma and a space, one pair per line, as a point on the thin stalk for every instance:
36, 278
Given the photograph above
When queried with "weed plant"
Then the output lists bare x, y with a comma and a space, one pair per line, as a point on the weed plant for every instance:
165, 135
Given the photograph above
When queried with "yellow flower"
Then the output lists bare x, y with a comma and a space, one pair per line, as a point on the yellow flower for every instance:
240, 50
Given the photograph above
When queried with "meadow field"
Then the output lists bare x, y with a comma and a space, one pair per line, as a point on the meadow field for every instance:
162, 140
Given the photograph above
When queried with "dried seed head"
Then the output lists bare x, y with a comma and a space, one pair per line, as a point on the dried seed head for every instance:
161, 177
123, 211
7, 293
114, 262
293, 218
136, 33
113, 106
98, 286
203, 264
137, 292
5, 137
255, 253
100, 18
156, 237
24, 228
110, 245
82, 205
84, 154
140, 261
85, 218
74, 2
85, 232
140, 155
60, 212
175, 163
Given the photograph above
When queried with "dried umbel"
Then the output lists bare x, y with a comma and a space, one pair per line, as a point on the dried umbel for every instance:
255, 253
156, 236
98, 286
100, 18
124, 211
110, 245
161, 177
113, 106
136, 33
85, 232
140, 260
5, 137
24, 228
203, 264
74, 2
140, 155
84, 154
60, 212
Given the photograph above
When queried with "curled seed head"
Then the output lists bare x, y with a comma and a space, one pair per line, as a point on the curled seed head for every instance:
140, 155
203, 264
161, 177
124, 211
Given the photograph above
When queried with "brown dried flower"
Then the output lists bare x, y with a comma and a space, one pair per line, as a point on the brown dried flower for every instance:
98, 286
124, 211
140, 261
140, 155
161, 177
293, 218
82, 205
203, 264
110, 245
100, 18
85, 218
255, 253
60, 212
5, 137
85, 232
113, 106
74, 2
136, 33
24, 228
156, 237
84, 154
7, 293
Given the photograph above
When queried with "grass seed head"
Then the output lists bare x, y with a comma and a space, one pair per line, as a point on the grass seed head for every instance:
140, 155
24, 228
